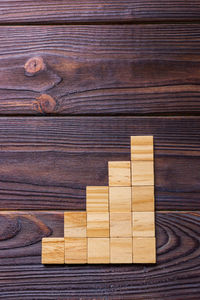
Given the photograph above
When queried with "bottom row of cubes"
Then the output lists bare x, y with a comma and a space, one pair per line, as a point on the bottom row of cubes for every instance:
98, 250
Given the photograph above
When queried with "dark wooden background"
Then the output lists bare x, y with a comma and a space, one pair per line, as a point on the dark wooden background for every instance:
77, 78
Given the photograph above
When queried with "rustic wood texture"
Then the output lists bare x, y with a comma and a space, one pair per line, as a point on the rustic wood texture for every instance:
50, 11
100, 70
177, 269
41, 157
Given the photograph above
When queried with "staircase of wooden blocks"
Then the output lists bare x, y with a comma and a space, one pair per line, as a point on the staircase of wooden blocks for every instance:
118, 225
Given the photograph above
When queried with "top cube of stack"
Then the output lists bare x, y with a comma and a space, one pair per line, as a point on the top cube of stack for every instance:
119, 173
142, 148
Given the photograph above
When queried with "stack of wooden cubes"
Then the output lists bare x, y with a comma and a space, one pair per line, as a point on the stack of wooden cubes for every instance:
118, 225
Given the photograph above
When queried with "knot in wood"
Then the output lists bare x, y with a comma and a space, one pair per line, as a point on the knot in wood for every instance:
34, 65
46, 104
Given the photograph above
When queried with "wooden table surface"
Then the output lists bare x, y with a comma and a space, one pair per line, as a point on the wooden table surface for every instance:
77, 79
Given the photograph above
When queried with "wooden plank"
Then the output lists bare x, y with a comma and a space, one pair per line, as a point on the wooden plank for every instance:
176, 273
27, 11
101, 70
46, 163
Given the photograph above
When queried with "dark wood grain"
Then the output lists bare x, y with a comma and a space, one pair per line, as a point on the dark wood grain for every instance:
175, 276
97, 11
46, 163
100, 70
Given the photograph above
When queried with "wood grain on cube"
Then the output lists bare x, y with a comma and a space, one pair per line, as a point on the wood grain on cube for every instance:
142, 148
97, 198
120, 199
98, 250
76, 250
143, 224
144, 250
53, 251
75, 224
142, 172
143, 198
121, 250
120, 224
98, 224
119, 173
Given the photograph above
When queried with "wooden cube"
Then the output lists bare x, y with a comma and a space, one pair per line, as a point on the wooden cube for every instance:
53, 251
75, 224
121, 250
98, 224
144, 250
98, 251
97, 198
142, 147
120, 199
143, 198
120, 224
143, 224
142, 173
119, 173
75, 250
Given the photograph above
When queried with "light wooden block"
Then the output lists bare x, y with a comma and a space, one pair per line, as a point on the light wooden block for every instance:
119, 173
98, 224
143, 198
143, 224
98, 250
120, 199
53, 251
75, 250
75, 224
120, 224
121, 250
144, 250
142, 173
97, 198
142, 147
